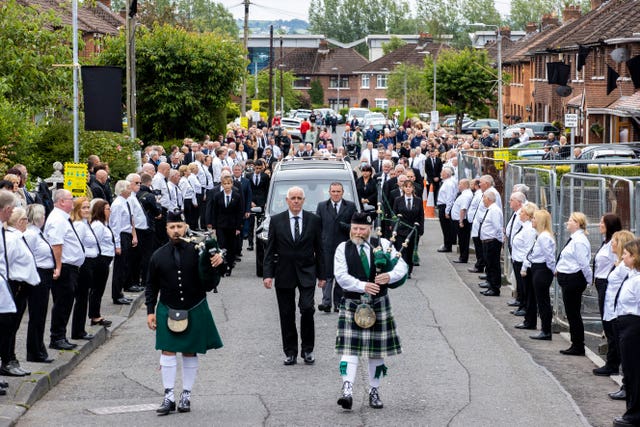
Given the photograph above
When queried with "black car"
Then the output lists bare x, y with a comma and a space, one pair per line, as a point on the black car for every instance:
479, 125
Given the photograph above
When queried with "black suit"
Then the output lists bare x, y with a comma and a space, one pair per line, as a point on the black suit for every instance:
97, 190
226, 219
335, 230
412, 216
244, 187
433, 171
367, 191
259, 194
190, 157
295, 264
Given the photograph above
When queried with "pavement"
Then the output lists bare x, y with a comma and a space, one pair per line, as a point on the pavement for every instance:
462, 364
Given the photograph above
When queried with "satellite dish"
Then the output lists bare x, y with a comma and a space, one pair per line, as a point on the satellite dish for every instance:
620, 54
564, 91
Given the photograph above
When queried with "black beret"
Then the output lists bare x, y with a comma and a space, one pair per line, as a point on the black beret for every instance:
174, 216
361, 218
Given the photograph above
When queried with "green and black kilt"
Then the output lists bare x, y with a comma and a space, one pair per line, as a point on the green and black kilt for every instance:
200, 336
376, 342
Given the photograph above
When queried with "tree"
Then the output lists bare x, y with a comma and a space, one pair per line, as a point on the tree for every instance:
184, 80
393, 44
418, 94
465, 81
291, 97
483, 11
316, 93
443, 17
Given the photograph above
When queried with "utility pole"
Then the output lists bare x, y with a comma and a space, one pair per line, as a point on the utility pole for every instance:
270, 73
243, 104
281, 65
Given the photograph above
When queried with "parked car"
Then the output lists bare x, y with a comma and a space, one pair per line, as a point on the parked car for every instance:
540, 129
450, 122
480, 124
324, 111
530, 150
507, 134
608, 151
302, 114
314, 176
358, 113
292, 125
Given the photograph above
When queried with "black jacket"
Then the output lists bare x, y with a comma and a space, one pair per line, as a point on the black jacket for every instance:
335, 228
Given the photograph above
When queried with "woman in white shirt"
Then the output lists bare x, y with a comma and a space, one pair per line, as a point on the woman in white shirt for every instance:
189, 196
521, 237
573, 270
627, 308
604, 261
100, 211
538, 268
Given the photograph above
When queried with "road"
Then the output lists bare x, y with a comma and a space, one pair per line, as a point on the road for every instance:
459, 367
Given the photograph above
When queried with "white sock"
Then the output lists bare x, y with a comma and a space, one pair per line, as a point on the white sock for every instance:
349, 373
373, 366
168, 366
189, 371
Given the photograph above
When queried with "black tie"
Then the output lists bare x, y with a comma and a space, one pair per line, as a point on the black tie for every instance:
560, 253
335, 208
76, 233
228, 200
177, 198
409, 204
615, 302
177, 257
168, 191
96, 237
50, 249
593, 264
296, 228
4, 245
482, 222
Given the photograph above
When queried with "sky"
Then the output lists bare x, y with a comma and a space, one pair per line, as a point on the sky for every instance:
282, 9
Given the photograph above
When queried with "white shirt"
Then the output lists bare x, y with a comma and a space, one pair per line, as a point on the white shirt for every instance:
473, 207
629, 297
195, 184
275, 150
177, 201
105, 238
216, 167
188, 192
139, 217
159, 182
22, 265
204, 177
447, 194
543, 250
462, 202
292, 223
6, 300
521, 241
418, 162
605, 260
89, 242
481, 210
59, 231
3, 271
349, 282
576, 256
39, 247
119, 220
491, 225
513, 225
370, 155
614, 281
524, 137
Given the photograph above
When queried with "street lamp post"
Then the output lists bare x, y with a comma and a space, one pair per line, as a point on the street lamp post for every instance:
338, 102
499, 44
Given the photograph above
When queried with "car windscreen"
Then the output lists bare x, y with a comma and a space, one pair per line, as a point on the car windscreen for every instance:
315, 191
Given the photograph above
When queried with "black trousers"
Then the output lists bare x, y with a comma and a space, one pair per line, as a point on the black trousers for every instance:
63, 291
480, 260
6, 327
521, 290
573, 285
613, 354
464, 235
96, 291
287, 309
121, 267
492, 250
38, 307
202, 209
160, 231
191, 213
228, 240
446, 226
139, 258
628, 328
537, 283
85, 280
20, 291
407, 253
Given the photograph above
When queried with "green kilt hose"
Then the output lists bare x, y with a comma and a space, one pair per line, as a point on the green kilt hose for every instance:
376, 342
201, 334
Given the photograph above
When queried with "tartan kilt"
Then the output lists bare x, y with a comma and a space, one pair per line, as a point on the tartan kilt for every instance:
201, 334
376, 342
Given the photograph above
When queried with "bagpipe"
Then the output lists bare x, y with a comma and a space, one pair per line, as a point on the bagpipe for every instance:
206, 244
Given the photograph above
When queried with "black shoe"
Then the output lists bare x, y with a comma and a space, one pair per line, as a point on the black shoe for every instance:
524, 326
443, 250
135, 288
474, 270
250, 248
62, 345
482, 277
4, 384
325, 308
336, 310
185, 401
605, 371
518, 312
541, 336
290, 360
484, 285
41, 359
86, 336
102, 322
70, 343
309, 358
514, 303
167, 405
490, 293
122, 301
374, 399
459, 261
9, 370
622, 422
346, 399
3, 392
573, 351
618, 395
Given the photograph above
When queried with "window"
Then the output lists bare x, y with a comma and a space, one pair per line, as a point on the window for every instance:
598, 62
344, 82
382, 102
381, 81
365, 81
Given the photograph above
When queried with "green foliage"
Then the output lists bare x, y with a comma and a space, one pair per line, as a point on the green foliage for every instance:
233, 111
316, 93
15, 130
184, 80
419, 96
291, 96
115, 149
525, 11
29, 50
343, 112
393, 44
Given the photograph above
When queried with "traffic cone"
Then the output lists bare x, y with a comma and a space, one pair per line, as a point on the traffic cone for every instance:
429, 207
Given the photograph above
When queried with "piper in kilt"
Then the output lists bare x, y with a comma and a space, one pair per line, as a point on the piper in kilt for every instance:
173, 273
354, 271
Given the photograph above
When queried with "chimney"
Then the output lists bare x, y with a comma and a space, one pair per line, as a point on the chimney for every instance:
505, 31
123, 13
324, 47
531, 27
571, 13
425, 38
550, 19
596, 4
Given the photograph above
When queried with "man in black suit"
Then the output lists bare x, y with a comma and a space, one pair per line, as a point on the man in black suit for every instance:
259, 190
335, 215
294, 257
243, 185
227, 215
433, 169
97, 185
